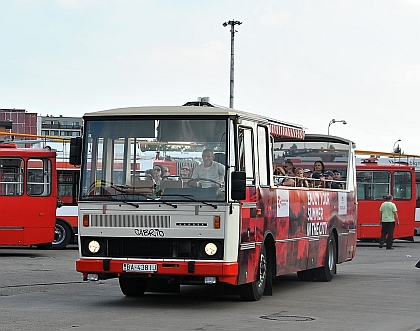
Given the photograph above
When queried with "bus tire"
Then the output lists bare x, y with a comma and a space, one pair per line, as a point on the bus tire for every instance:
62, 236
327, 271
133, 286
254, 291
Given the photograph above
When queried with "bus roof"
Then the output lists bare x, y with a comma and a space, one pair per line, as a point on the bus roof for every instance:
277, 128
12, 150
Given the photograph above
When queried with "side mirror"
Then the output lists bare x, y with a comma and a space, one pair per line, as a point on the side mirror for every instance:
238, 185
75, 151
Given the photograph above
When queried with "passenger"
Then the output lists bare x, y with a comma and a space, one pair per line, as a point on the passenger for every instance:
279, 174
319, 170
149, 174
307, 173
185, 172
329, 177
289, 168
157, 173
209, 169
338, 182
301, 181
167, 174
288, 182
318, 175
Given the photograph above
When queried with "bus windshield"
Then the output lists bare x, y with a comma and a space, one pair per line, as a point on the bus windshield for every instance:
144, 159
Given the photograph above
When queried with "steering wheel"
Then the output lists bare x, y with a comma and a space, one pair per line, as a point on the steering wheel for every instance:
196, 180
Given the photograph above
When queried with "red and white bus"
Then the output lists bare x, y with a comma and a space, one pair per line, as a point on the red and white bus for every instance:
374, 182
243, 230
28, 196
66, 229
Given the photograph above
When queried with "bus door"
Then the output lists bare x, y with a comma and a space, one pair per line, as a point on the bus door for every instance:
251, 208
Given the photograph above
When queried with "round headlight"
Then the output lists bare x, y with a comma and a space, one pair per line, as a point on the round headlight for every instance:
210, 249
94, 246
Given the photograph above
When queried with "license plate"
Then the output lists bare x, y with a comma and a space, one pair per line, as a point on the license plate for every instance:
135, 267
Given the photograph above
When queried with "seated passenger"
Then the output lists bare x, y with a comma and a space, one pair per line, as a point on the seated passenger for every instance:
318, 175
319, 170
185, 172
149, 174
167, 174
289, 168
338, 182
288, 182
213, 171
301, 181
329, 176
157, 173
279, 175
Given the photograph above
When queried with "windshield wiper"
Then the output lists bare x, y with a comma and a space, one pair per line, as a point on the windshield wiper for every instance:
130, 203
191, 199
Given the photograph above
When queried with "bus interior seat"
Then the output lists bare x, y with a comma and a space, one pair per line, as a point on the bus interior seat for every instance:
220, 158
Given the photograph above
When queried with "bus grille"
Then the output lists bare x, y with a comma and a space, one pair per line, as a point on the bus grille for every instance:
130, 221
151, 248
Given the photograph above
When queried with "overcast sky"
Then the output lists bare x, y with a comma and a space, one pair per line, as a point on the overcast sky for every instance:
305, 62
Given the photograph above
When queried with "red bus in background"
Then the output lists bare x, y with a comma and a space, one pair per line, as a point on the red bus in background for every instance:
28, 196
66, 229
374, 182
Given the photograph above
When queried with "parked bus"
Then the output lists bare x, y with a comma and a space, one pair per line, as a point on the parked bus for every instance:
28, 196
386, 159
66, 229
376, 181
235, 227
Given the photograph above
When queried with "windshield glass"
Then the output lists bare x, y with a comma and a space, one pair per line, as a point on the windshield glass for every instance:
144, 160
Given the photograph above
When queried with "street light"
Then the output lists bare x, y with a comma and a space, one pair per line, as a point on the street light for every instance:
335, 121
393, 147
232, 37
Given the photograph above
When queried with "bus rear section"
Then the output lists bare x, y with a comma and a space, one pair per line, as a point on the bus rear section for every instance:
374, 182
28, 196
229, 222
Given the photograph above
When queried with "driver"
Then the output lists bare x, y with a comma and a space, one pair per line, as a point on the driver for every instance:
209, 169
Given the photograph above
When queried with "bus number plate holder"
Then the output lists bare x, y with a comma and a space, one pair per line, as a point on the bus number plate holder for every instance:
136, 267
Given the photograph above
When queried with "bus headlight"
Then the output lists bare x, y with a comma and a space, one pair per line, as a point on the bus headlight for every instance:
210, 249
94, 246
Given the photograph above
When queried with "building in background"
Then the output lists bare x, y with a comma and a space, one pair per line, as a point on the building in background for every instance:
60, 126
22, 121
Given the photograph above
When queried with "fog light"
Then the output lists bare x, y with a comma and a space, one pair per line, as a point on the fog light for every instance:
94, 246
92, 277
209, 280
210, 249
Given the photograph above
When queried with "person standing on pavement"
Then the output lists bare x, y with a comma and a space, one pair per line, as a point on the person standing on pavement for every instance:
389, 218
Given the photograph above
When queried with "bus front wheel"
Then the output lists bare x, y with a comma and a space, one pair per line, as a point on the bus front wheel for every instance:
133, 286
254, 291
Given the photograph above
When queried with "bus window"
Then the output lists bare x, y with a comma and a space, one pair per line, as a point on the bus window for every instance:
373, 185
262, 156
11, 176
402, 185
39, 178
246, 155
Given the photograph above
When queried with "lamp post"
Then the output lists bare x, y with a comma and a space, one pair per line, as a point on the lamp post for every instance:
393, 147
232, 37
335, 121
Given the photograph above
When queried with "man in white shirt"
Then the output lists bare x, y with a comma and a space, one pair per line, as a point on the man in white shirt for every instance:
209, 169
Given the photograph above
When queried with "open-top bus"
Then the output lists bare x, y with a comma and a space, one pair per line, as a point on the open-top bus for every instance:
28, 196
241, 229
